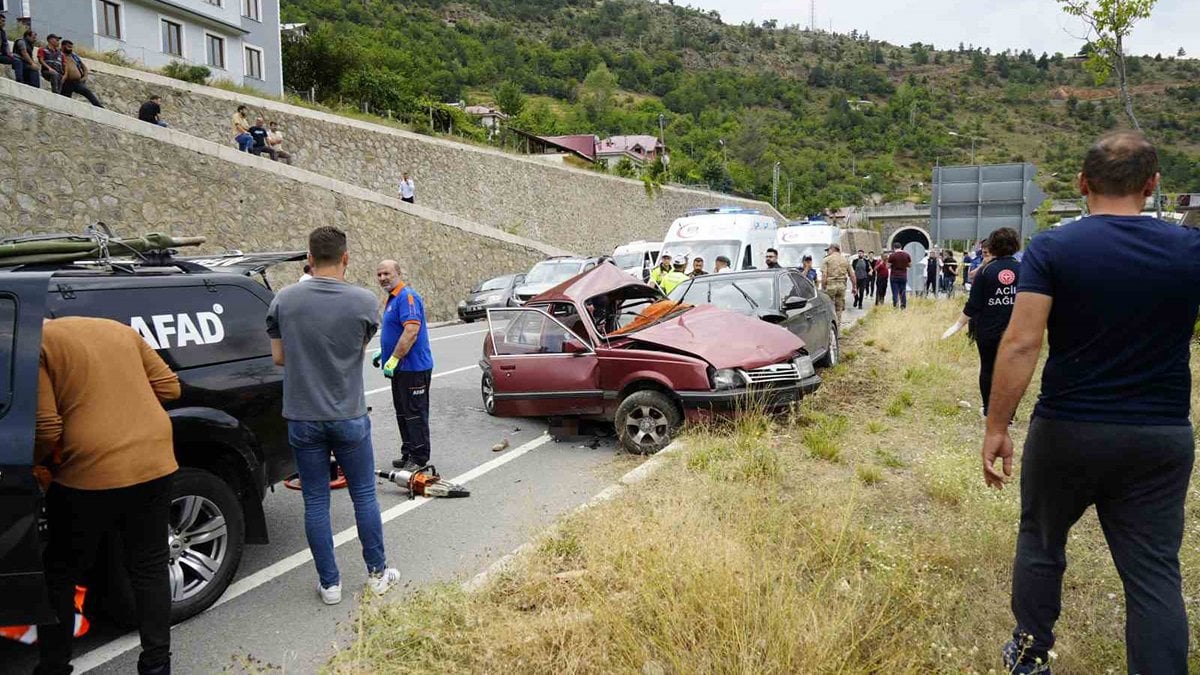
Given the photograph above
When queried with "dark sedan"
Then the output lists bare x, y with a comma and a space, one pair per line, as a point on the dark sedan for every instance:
780, 296
491, 293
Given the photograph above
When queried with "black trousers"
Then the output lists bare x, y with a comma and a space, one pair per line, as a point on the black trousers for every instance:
988, 346
881, 286
78, 519
410, 398
1137, 477
931, 284
71, 87
861, 288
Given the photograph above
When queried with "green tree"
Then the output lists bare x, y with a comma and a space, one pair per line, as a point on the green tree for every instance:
596, 94
510, 98
978, 65
1110, 22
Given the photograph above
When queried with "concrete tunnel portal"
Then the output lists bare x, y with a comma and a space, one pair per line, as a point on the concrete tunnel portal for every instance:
910, 235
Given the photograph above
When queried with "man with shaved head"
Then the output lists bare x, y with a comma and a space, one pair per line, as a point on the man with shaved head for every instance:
407, 361
1111, 427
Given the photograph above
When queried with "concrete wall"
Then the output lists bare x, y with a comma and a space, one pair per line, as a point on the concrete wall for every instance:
572, 208
65, 164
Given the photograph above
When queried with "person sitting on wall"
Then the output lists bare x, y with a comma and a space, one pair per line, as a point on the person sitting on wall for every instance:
151, 111
75, 73
275, 140
259, 134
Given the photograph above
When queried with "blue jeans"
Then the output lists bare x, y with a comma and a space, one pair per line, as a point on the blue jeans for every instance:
350, 443
244, 141
900, 293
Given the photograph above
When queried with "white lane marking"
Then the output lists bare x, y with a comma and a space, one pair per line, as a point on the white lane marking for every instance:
111, 650
435, 375
374, 344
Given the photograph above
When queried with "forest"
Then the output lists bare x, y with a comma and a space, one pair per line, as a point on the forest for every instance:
847, 118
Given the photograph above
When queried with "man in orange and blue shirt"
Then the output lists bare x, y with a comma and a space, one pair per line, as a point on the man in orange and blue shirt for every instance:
407, 362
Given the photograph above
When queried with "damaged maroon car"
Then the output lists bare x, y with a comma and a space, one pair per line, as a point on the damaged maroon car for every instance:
606, 346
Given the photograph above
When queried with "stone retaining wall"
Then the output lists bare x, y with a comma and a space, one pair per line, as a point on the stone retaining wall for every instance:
64, 164
571, 208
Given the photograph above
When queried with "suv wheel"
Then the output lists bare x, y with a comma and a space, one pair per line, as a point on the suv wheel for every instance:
833, 354
646, 422
487, 390
205, 541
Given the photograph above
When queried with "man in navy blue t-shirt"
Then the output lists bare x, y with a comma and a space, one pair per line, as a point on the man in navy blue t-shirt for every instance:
408, 362
1111, 426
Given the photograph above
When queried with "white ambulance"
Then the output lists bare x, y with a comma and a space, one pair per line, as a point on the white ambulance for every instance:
742, 235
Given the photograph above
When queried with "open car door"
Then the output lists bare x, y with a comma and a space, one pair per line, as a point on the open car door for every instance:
22, 586
540, 368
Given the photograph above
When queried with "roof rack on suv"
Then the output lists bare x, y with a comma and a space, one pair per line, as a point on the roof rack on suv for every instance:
96, 244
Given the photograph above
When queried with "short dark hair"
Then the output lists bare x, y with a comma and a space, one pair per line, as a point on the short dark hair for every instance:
771, 250
68, 43
896, 245
51, 36
1003, 242
240, 108
27, 33
326, 245
1120, 163
155, 97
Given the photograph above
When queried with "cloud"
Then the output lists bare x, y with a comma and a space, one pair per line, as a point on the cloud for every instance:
1018, 24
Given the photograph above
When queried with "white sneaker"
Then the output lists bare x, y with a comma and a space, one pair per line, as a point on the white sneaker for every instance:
383, 581
331, 595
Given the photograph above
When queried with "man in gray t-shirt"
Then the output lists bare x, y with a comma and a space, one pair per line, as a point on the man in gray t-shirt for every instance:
318, 331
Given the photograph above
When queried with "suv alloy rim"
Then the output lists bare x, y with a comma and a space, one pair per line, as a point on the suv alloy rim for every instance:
833, 345
197, 543
646, 426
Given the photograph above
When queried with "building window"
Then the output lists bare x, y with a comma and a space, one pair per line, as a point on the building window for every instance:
214, 2
172, 38
109, 16
216, 51
252, 9
254, 63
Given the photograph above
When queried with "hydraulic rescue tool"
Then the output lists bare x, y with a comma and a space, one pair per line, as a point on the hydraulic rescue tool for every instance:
424, 482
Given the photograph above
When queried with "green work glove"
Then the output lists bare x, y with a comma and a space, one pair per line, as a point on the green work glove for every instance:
376, 358
389, 368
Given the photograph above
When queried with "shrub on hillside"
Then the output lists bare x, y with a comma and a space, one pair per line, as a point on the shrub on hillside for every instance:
187, 72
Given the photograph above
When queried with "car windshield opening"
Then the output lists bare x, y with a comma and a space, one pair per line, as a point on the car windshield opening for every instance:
792, 255
743, 294
709, 250
551, 272
499, 283
627, 260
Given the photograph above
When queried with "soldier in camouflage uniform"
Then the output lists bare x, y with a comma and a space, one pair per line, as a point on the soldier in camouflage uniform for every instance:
836, 273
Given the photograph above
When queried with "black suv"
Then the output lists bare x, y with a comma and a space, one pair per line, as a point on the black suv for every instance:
206, 318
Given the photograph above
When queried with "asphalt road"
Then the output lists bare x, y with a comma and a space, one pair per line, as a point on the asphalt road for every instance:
272, 614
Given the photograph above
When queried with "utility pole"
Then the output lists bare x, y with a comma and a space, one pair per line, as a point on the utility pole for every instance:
812, 15
724, 152
662, 139
775, 186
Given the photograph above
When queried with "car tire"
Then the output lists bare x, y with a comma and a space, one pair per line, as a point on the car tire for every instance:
487, 391
833, 355
646, 422
468, 320
202, 507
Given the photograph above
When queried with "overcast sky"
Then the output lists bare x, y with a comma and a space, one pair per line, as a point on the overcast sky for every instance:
1000, 24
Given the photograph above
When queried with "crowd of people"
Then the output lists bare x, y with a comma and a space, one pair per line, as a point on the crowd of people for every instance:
261, 138
54, 60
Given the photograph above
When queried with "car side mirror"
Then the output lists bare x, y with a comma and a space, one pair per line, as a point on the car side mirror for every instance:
574, 348
771, 316
794, 302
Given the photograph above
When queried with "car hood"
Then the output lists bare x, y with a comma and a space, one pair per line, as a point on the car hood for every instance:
705, 331
533, 289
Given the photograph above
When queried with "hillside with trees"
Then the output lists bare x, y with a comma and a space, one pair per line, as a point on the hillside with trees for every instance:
848, 118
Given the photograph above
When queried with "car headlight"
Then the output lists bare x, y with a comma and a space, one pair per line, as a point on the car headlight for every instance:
462, 303
728, 378
804, 367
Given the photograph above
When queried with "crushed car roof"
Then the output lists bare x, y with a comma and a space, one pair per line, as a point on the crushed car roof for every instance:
604, 278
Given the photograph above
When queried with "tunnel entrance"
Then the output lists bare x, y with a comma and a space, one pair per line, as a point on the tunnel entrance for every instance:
915, 242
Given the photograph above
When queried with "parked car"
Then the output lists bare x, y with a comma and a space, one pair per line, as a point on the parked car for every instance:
208, 324
546, 274
604, 345
780, 296
494, 292
637, 257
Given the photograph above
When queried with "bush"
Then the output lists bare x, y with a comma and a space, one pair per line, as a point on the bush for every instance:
187, 72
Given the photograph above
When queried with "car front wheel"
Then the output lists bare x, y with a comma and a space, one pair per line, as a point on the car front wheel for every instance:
833, 354
647, 421
204, 539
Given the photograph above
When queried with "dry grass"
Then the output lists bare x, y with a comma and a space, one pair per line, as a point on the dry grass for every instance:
752, 552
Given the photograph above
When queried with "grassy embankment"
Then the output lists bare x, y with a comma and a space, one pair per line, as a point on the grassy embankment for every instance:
854, 537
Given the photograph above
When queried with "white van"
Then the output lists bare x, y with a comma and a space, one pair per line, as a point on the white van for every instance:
637, 257
742, 235
806, 238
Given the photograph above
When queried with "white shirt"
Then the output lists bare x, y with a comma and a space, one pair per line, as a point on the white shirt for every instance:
275, 139
305, 277
407, 189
